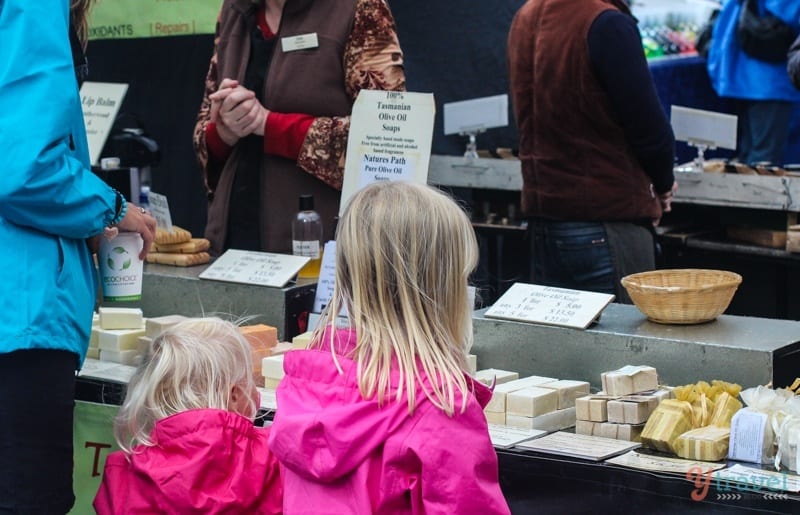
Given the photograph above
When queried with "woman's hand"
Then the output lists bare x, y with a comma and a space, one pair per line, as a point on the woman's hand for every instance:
237, 112
138, 220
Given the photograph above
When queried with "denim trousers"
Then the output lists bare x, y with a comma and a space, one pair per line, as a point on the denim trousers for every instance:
588, 256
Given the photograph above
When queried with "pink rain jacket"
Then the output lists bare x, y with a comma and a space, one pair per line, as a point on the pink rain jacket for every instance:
343, 454
206, 462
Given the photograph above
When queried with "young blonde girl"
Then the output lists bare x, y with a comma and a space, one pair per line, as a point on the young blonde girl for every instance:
381, 416
186, 430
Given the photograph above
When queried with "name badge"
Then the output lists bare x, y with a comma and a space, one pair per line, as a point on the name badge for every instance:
300, 42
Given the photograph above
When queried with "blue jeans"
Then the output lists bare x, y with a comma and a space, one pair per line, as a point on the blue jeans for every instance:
573, 255
763, 130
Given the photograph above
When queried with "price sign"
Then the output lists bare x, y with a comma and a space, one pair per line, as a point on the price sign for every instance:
327, 276
159, 208
250, 267
549, 305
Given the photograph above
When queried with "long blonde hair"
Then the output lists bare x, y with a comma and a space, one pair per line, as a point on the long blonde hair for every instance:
404, 253
79, 17
191, 365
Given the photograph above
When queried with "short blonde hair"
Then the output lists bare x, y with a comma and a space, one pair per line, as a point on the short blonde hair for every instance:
404, 254
191, 365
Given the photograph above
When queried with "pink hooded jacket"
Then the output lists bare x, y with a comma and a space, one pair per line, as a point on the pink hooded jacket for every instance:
206, 461
343, 454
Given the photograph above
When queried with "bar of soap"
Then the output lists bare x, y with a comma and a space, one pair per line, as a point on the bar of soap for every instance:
157, 325
125, 357
489, 375
725, 407
271, 384
302, 341
472, 364
592, 408
632, 409
553, 421
709, 443
119, 339
587, 427
93, 353
272, 367
94, 337
495, 418
531, 401
281, 348
260, 336
121, 318
670, 419
568, 390
144, 344
629, 379
498, 402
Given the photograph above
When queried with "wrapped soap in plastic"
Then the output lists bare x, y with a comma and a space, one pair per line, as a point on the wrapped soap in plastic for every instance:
788, 439
709, 443
669, 420
725, 408
752, 434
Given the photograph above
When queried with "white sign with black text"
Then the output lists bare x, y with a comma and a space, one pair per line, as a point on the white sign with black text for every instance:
100, 102
251, 267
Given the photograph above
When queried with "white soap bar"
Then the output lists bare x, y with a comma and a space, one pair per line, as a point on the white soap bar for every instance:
271, 384
281, 348
629, 379
472, 364
568, 391
95, 319
121, 318
272, 367
553, 421
498, 402
302, 341
119, 339
157, 325
592, 408
531, 402
126, 357
489, 375
93, 352
495, 418
608, 430
144, 344
633, 409
94, 338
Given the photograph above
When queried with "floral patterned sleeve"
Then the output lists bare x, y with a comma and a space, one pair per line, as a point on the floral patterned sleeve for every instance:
372, 60
210, 172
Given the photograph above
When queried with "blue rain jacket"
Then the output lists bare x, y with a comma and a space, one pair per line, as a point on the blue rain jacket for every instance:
50, 201
735, 74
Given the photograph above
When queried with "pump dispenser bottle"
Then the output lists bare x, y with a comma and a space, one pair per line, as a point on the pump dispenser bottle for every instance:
307, 237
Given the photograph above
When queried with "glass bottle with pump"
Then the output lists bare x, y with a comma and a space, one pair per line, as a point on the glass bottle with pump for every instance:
307, 237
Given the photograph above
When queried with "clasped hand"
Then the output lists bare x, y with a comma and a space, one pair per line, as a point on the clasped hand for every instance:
237, 112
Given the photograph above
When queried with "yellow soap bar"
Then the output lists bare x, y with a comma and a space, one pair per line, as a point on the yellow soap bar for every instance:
709, 443
302, 341
725, 408
121, 318
670, 419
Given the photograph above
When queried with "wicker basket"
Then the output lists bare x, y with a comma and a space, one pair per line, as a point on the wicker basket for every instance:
682, 296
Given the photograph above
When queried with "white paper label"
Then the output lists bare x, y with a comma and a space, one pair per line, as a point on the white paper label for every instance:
101, 102
504, 436
309, 249
251, 267
159, 208
327, 276
747, 436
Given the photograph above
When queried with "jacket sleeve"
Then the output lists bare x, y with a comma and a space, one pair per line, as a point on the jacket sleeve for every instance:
793, 67
459, 470
47, 183
211, 169
372, 60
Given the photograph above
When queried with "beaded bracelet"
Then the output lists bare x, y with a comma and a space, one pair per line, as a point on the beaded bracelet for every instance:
121, 209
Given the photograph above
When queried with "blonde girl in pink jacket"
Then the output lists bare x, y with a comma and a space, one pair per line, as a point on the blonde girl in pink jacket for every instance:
186, 431
380, 416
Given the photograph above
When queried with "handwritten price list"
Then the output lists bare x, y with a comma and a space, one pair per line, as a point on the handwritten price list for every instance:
261, 268
548, 305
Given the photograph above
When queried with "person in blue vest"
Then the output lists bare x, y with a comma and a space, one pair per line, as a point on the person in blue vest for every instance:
53, 210
762, 91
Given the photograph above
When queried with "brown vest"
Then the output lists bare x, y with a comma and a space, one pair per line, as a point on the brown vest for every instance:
576, 163
307, 81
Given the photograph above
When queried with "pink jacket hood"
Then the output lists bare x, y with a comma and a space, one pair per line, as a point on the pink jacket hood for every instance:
205, 461
327, 436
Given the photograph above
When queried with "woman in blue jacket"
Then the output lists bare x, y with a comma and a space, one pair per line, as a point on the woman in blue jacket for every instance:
52, 209
763, 91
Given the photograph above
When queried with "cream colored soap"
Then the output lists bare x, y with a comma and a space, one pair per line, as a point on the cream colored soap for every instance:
495, 418
93, 353
144, 344
591, 407
302, 341
568, 390
472, 364
489, 375
272, 367
633, 409
553, 421
94, 337
630, 379
498, 402
281, 348
586, 427
119, 339
531, 402
271, 384
121, 318
157, 325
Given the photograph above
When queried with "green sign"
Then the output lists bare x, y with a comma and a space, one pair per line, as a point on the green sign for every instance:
92, 441
124, 19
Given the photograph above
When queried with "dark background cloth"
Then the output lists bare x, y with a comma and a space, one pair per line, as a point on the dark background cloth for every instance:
456, 51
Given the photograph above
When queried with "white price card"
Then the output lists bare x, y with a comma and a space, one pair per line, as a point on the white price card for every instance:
701, 127
107, 370
100, 102
327, 276
579, 446
251, 267
389, 140
505, 437
159, 208
548, 305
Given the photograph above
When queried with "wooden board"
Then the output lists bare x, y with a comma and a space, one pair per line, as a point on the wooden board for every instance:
760, 237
